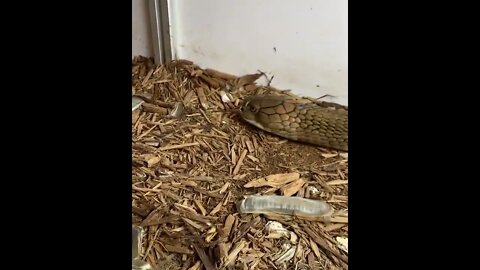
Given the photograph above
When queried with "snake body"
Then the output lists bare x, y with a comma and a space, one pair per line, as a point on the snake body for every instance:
292, 119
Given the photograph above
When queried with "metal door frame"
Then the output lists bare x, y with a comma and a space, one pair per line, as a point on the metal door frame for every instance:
160, 25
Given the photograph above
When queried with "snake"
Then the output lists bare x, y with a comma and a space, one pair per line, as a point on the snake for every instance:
315, 123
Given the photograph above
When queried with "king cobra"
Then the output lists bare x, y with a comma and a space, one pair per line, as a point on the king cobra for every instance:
290, 118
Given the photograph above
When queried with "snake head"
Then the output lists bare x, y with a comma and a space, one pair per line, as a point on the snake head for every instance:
256, 109
253, 105
250, 109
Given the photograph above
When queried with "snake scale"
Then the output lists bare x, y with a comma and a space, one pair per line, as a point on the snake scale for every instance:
312, 123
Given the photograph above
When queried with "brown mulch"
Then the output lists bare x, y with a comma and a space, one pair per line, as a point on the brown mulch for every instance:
192, 156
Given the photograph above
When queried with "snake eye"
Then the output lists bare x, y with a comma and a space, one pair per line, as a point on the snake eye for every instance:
253, 109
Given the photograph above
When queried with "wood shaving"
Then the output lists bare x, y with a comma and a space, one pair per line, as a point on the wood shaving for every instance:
191, 166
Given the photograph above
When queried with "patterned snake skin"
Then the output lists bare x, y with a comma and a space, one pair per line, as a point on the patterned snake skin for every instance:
312, 123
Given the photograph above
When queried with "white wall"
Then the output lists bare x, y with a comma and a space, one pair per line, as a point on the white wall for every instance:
141, 33
239, 36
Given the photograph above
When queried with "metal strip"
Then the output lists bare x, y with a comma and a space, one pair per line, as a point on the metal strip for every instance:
160, 25
165, 30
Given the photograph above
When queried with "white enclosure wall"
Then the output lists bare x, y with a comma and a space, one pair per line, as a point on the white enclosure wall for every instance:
302, 43
141, 33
